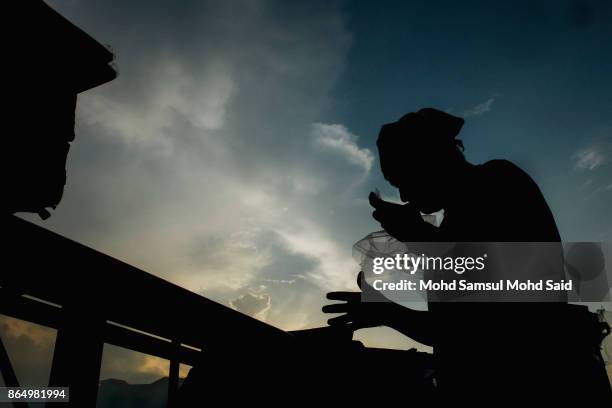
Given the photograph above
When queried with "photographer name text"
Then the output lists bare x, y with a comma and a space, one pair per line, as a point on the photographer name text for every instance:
465, 285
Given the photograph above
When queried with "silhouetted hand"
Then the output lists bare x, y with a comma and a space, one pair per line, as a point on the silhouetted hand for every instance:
402, 221
357, 314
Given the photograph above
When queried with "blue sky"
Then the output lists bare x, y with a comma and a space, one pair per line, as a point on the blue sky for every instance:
234, 153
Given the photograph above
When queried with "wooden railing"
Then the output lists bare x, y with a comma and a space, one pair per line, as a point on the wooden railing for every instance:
93, 299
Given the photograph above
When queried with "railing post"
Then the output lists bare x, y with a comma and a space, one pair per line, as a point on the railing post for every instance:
173, 375
77, 357
8, 373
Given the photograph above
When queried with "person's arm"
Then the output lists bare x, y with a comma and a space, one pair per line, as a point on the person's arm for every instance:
416, 324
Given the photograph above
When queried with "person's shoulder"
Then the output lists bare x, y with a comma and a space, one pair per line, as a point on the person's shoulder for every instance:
504, 170
506, 179
501, 165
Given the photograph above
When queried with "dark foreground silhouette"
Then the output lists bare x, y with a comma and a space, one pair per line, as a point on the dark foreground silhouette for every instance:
480, 350
484, 352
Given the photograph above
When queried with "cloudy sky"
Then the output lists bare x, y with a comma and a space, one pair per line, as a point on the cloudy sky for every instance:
234, 153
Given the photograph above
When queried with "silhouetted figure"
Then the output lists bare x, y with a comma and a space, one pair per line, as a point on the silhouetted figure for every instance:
50, 62
485, 352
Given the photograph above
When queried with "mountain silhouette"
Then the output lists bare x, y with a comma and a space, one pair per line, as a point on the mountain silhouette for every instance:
114, 393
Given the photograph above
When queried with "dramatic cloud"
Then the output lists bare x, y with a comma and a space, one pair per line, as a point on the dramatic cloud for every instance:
589, 158
206, 161
604, 188
479, 109
592, 162
171, 90
338, 139
256, 305
203, 145
30, 349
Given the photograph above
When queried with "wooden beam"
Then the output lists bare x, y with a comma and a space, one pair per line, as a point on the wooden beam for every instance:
58, 270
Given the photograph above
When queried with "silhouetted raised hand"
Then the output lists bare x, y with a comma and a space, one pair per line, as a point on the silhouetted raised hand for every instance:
403, 221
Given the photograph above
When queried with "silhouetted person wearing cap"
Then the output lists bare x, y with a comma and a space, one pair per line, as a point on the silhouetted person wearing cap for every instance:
52, 61
543, 351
